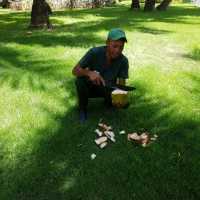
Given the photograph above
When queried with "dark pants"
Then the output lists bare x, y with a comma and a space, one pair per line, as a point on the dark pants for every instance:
86, 89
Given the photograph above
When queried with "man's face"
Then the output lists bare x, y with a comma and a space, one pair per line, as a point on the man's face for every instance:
115, 48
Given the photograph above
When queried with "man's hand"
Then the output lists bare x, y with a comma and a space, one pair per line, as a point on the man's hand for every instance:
96, 78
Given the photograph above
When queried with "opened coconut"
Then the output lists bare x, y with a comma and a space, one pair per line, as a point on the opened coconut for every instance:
119, 98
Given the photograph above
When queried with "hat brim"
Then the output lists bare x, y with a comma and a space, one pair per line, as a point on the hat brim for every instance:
120, 38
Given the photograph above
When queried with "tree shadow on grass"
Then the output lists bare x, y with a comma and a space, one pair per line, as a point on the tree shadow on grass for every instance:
73, 35
152, 31
59, 164
175, 13
44, 75
195, 54
79, 34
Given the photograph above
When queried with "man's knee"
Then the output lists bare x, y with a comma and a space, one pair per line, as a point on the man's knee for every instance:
81, 82
82, 86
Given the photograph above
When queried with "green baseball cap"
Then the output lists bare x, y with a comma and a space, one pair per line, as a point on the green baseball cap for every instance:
116, 34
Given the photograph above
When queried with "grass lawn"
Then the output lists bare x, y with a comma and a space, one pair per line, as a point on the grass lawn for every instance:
45, 152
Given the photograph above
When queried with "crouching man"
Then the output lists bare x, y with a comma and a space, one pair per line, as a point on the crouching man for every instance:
100, 69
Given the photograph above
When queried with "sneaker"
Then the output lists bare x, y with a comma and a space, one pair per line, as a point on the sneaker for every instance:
82, 116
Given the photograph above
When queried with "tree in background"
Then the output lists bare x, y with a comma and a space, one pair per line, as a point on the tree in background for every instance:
149, 5
135, 5
5, 3
72, 3
163, 5
40, 14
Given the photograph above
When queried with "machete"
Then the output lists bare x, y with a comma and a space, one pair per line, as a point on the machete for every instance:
122, 87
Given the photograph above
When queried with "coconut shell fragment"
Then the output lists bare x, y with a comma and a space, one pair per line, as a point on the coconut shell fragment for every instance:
142, 139
122, 132
99, 133
104, 133
133, 136
103, 145
104, 127
101, 140
109, 134
93, 156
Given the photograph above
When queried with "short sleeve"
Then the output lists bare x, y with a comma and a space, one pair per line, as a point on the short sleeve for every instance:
123, 72
87, 59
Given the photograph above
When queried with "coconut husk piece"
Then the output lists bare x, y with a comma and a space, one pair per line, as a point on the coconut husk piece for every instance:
101, 140
104, 131
142, 139
104, 127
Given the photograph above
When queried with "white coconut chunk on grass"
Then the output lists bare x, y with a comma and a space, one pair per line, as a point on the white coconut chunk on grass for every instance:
109, 128
155, 136
93, 156
109, 134
143, 136
122, 132
103, 145
133, 136
101, 140
112, 139
99, 133
105, 127
144, 145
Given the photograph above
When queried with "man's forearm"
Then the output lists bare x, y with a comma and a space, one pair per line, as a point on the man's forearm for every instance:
93, 76
78, 71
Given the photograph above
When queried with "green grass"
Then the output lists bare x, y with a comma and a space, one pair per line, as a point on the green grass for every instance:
45, 152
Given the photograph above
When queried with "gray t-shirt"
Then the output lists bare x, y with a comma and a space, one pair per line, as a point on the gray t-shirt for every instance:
95, 59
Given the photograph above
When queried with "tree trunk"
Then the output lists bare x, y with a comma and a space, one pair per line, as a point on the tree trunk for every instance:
135, 5
163, 5
149, 5
5, 4
40, 14
72, 4
96, 3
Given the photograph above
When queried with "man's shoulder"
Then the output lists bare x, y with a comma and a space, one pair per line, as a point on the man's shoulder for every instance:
97, 50
123, 59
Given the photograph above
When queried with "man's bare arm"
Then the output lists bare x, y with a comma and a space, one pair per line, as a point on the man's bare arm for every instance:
94, 76
78, 71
